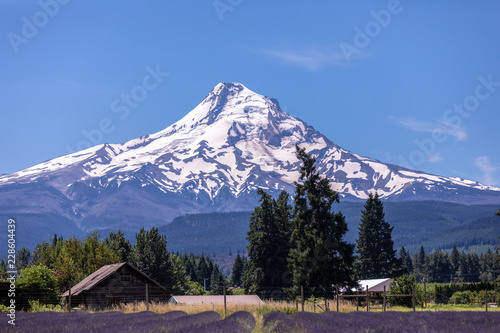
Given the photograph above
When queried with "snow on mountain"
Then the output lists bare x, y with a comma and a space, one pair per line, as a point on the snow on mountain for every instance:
215, 157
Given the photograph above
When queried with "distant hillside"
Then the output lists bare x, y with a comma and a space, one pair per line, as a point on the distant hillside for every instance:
212, 233
436, 225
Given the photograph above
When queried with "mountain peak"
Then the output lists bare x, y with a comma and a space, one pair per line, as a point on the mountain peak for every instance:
229, 102
232, 88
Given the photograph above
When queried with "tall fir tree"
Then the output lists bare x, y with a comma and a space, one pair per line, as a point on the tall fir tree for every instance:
420, 264
237, 272
268, 244
23, 258
498, 257
377, 257
150, 256
455, 260
319, 257
406, 262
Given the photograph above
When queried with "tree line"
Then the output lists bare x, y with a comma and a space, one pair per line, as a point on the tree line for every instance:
56, 265
440, 266
302, 245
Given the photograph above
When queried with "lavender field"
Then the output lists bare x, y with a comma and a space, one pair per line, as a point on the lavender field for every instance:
383, 322
176, 321
179, 321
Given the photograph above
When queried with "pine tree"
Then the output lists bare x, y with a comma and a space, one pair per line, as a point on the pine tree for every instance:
406, 260
438, 267
268, 244
151, 257
420, 264
377, 257
455, 259
237, 271
218, 281
319, 257
498, 257
23, 258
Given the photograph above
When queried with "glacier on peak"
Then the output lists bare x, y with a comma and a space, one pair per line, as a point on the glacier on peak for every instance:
230, 144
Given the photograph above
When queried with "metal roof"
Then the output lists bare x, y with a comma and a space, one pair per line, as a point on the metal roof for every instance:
217, 299
375, 285
100, 275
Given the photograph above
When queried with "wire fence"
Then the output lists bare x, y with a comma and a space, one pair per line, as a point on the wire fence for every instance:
309, 298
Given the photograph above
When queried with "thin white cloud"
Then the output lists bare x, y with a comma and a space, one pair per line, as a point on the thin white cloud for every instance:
434, 158
429, 127
311, 58
487, 168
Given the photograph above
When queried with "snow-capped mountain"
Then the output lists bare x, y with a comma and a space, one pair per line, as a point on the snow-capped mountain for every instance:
213, 159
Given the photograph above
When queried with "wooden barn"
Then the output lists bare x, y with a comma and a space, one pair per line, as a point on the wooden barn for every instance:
116, 283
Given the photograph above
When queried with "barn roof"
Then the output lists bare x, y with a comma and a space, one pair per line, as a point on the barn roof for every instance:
217, 299
374, 285
100, 275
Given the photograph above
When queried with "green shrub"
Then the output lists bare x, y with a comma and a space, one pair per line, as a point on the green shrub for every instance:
36, 283
36, 306
404, 285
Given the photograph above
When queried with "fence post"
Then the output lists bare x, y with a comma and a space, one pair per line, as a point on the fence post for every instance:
413, 297
367, 299
326, 305
225, 308
384, 298
302, 296
486, 299
357, 303
147, 298
337, 295
69, 299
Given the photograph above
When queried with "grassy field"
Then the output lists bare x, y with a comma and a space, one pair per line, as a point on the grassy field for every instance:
286, 307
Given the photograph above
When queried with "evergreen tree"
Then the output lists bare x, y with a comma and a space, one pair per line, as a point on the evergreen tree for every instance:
237, 272
202, 271
455, 260
406, 260
420, 264
151, 257
377, 257
23, 258
498, 257
3, 270
268, 245
438, 267
319, 257
117, 242
217, 282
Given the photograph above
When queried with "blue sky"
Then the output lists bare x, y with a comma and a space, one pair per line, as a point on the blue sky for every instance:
414, 83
